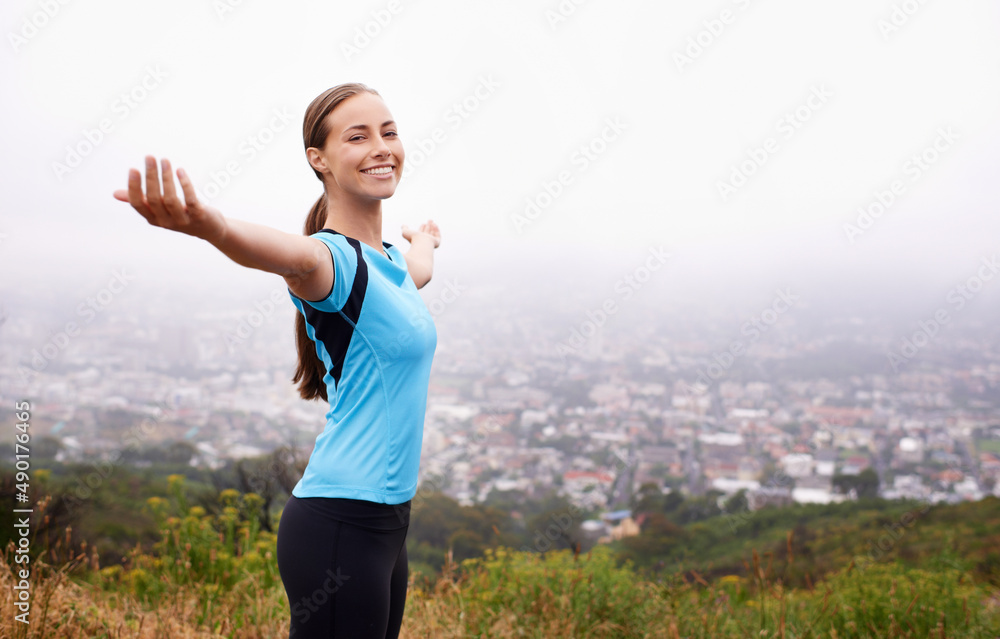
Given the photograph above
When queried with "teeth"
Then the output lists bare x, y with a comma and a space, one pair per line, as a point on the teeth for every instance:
382, 170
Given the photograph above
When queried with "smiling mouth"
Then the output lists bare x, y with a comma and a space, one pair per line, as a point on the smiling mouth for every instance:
378, 170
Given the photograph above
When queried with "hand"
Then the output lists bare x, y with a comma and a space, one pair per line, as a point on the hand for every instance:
428, 228
165, 209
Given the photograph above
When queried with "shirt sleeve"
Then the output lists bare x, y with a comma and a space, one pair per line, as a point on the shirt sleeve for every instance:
345, 265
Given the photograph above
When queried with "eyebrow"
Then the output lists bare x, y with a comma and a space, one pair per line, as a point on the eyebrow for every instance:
364, 127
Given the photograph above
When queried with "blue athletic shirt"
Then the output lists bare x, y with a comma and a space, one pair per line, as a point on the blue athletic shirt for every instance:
376, 338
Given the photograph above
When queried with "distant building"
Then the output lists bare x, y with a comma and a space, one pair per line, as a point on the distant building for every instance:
854, 464
530, 418
968, 489
797, 464
588, 489
594, 529
609, 395
826, 462
748, 469
815, 490
730, 486
726, 440
838, 415
907, 487
620, 525
583, 478
748, 413
910, 450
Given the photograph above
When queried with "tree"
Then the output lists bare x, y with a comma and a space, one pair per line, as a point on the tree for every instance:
649, 498
737, 503
658, 538
268, 476
865, 483
699, 508
672, 502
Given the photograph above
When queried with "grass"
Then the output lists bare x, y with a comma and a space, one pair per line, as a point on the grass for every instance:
510, 593
215, 576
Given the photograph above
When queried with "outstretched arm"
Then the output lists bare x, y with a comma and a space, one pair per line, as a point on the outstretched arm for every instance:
420, 257
303, 261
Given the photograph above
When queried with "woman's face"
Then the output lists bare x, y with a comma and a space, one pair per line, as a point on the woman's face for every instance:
363, 155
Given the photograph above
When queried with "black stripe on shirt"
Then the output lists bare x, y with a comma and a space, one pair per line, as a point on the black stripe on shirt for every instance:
335, 330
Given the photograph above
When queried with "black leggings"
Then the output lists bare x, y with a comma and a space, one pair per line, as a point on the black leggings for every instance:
343, 564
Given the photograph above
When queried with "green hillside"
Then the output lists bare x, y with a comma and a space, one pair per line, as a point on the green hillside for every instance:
196, 561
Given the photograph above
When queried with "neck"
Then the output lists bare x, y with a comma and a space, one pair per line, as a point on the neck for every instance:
360, 219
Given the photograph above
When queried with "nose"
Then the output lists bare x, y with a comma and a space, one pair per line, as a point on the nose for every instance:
381, 148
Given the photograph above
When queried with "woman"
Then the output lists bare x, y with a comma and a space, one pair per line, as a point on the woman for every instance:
365, 342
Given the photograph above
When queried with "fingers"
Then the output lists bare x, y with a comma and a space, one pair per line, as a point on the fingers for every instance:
190, 197
135, 197
430, 228
169, 192
173, 205
163, 209
152, 183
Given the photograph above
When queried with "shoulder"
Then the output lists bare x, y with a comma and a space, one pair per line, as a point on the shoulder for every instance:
330, 237
328, 286
346, 251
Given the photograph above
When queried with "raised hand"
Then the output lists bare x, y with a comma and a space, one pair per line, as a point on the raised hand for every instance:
428, 228
162, 207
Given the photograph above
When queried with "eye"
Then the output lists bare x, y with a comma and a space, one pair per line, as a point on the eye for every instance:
356, 137
392, 133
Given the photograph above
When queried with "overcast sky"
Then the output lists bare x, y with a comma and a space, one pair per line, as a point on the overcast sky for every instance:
743, 135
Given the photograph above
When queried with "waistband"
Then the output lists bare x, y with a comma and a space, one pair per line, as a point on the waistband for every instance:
358, 512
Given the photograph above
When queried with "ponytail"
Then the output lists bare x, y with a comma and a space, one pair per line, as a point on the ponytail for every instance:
310, 370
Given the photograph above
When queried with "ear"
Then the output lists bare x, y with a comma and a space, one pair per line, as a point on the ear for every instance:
316, 159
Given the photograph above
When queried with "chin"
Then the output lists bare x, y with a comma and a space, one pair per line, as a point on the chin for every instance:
388, 191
